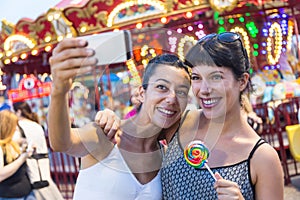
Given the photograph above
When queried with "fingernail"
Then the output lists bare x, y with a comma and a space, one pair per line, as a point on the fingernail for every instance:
82, 42
89, 68
90, 51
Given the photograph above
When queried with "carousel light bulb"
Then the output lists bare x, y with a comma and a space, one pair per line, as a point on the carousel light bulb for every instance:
196, 2
163, 20
139, 25
83, 29
23, 56
144, 61
50, 18
34, 52
47, 39
8, 53
200, 26
7, 61
152, 51
14, 59
189, 15
48, 48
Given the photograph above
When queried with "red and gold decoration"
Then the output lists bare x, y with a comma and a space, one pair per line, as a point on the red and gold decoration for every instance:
29, 87
157, 26
223, 5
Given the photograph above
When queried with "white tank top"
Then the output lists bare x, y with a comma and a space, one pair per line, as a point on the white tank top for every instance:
111, 179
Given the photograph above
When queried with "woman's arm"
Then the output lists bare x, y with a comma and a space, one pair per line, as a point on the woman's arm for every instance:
70, 58
268, 174
11, 168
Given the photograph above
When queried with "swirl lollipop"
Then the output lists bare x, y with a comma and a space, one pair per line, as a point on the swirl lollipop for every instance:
196, 154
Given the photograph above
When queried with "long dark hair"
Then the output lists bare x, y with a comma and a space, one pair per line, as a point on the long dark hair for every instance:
26, 111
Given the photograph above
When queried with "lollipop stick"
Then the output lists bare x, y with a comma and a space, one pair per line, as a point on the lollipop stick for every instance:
211, 173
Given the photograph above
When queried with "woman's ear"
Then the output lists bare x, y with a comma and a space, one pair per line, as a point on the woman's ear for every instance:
243, 81
141, 94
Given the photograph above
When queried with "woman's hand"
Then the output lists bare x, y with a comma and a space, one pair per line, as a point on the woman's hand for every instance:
227, 190
109, 122
69, 59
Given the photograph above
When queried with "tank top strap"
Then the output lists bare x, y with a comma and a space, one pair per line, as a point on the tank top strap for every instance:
258, 143
181, 122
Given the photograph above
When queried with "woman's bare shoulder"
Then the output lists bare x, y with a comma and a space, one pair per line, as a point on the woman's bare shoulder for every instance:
265, 154
90, 139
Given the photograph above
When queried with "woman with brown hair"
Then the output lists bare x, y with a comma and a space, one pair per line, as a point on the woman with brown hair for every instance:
44, 187
14, 182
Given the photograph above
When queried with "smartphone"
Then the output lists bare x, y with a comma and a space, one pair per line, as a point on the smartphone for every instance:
111, 47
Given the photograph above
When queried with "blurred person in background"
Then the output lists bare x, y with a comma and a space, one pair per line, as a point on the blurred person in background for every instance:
34, 133
4, 104
14, 182
135, 103
247, 111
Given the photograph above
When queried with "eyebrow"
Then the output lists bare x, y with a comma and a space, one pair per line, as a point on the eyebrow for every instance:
212, 73
164, 80
216, 72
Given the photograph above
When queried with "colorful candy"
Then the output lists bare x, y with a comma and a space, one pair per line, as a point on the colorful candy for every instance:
196, 154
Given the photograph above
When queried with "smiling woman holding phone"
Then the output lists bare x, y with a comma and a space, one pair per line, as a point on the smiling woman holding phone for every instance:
130, 168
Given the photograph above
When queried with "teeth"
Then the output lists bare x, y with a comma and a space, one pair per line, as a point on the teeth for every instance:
210, 101
168, 112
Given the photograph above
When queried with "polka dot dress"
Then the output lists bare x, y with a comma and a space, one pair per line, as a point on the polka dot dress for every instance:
182, 181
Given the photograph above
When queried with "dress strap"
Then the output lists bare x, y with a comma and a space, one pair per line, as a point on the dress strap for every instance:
258, 143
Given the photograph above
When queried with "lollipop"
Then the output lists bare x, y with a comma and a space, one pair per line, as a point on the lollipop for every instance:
196, 154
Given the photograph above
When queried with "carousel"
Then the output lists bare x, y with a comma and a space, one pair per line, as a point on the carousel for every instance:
268, 29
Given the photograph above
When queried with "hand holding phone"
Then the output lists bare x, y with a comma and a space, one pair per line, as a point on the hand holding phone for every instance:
111, 47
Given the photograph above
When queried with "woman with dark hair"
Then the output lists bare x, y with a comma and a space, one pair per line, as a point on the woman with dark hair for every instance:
130, 168
14, 182
43, 185
244, 165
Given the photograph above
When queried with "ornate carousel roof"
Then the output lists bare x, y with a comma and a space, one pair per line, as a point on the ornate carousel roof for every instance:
264, 24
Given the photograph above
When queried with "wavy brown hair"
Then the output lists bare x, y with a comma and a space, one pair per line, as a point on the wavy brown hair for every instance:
8, 125
26, 111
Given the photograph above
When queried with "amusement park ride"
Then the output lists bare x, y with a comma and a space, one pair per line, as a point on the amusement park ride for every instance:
267, 27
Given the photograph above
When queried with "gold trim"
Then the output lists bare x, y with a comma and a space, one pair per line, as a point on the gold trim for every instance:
63, 17
151, 17
215, 5
89, 12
